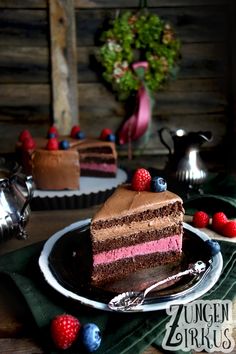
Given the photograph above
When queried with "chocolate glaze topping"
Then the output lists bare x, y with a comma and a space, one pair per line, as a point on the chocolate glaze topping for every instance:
125, 201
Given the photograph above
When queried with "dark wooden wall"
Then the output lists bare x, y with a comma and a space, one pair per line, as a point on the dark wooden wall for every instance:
200, 99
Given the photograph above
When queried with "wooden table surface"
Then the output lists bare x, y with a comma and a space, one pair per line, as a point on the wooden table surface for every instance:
16, 335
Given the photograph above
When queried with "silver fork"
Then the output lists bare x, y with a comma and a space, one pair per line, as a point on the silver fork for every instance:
128, 301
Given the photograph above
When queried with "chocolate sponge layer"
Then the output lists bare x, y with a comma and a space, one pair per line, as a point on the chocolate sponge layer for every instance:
119, 269
96, 173
102, 159
95, 150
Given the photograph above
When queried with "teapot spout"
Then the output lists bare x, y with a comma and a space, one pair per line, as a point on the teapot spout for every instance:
196, 139
206, 136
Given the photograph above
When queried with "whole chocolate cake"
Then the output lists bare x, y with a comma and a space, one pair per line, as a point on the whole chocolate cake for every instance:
57, 162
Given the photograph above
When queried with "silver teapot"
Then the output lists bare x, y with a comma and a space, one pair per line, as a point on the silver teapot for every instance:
16, 192
185, 163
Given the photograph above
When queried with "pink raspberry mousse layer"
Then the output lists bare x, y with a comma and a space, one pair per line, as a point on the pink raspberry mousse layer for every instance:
172, 243
98, 167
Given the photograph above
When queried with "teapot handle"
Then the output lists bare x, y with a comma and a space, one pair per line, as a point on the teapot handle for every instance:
161, 132
27, 181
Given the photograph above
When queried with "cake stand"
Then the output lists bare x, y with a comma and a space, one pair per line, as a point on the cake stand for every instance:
93, 191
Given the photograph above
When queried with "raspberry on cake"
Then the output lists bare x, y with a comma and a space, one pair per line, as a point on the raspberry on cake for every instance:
24, 149
135, 230
141, 180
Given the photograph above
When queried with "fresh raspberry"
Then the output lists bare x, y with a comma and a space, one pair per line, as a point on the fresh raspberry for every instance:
64, 330
74, 130
218, 221
52, 144
28, 144
25, 134
229, 229
141, 180
52, 130
104, 133
200, 219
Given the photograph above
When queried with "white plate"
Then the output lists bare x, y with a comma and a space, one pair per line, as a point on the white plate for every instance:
201, 288
88, 185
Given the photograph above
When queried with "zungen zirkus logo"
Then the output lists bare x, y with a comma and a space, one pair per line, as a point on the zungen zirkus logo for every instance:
200, 325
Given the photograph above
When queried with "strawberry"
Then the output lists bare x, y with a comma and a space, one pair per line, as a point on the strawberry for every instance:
52, 144
229, 229
28, 144
141, 180
218, 221
25, 134
200, 219
74, 130
104, 133
64, 330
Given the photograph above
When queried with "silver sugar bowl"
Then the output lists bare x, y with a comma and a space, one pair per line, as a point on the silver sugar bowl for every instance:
16, 192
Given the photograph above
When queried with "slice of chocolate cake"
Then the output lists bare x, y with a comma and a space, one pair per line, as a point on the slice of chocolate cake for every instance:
97, 158
134, 230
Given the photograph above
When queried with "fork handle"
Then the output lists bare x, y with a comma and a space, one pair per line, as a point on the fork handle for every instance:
197, 268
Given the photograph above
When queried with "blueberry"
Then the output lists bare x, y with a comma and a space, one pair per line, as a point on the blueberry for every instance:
111, 137
64, 145
213, 246
90, 336
158, 184
51, 135
80, 135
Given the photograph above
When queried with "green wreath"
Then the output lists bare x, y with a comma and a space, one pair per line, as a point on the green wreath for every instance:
138, 37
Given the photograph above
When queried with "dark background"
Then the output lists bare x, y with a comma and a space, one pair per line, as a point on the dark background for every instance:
202, 97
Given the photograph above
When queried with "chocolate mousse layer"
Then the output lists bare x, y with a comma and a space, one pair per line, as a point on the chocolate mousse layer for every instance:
136, 238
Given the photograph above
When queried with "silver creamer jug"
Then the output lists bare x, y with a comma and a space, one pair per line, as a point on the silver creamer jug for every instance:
16, 191
185, 163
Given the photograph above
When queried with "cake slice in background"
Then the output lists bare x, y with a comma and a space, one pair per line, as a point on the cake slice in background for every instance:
97, 158
133, 230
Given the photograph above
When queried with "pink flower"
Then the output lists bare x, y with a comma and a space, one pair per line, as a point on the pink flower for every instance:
140, 64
